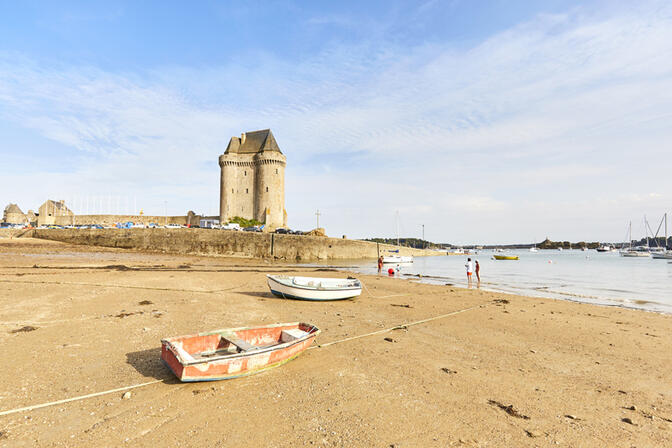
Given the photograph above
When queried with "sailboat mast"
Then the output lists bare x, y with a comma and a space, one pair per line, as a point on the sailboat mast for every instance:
630, 234
397, 222
665, 230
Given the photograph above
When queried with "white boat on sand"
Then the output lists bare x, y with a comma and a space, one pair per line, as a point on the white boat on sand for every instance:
314, 288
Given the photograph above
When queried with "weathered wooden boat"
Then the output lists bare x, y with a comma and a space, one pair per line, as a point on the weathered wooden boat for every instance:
505, 257
314, 288
234, 352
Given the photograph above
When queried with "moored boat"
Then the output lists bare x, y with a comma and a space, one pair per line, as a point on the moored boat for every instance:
662, 255
505, 257
234, 352
314, 288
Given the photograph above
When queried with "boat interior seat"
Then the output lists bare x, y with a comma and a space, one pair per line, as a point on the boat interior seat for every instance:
292, 335
241, 344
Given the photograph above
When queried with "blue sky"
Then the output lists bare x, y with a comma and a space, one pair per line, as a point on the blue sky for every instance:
500, 121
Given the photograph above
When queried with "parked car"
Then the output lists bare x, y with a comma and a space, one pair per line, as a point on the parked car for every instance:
283, 230
297, 232
231, 226
252, 229
173, 226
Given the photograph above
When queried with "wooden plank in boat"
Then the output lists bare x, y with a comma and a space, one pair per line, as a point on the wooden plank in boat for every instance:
241, 344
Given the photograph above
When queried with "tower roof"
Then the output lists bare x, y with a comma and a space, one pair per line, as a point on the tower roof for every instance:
253, 142
56, 205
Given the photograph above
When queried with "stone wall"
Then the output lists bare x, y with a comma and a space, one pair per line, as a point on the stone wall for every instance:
224, 243
110, 220
14, 233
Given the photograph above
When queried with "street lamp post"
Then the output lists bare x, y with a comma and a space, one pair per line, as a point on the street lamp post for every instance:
165, 211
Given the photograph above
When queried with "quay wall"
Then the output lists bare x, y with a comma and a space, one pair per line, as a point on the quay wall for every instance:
13, 233
110, 220
225, 243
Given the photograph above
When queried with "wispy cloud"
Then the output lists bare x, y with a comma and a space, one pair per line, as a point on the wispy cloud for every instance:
562, 106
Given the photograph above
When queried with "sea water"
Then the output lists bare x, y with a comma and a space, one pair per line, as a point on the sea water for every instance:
584, 276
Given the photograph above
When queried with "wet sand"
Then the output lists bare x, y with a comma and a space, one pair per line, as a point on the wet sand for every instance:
508, 371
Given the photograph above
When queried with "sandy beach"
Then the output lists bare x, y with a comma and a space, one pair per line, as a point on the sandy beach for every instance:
489, 369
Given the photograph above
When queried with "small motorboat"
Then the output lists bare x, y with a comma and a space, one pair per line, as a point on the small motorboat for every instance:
390, 259
314, 288
234, 352
505, 257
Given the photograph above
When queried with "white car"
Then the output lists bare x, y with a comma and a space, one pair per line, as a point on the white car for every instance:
173, 226
231, 226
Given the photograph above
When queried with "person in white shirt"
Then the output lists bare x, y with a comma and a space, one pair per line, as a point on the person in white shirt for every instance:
470, 269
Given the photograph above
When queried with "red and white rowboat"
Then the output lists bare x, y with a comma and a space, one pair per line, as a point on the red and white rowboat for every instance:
234, 352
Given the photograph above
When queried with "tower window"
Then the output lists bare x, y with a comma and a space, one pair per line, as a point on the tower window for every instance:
246, 190
232, 190
276, 171
266, 189
244, 173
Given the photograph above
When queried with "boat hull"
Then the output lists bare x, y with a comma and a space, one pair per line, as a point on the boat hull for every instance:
662, 256
634, 254
180, 354
281, 289
505, 257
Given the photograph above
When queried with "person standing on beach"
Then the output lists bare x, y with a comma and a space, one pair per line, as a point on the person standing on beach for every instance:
380, 264
470, 270
478, 272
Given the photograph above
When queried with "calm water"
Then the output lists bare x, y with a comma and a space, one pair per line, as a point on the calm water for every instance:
591, 277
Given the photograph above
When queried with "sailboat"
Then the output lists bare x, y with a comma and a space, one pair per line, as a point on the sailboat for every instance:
397, 258
534, 248
665, 254
634, 252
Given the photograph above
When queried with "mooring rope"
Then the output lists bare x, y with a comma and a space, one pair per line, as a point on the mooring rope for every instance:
103, 285
398, 327
368, 291
81, 397
119, 389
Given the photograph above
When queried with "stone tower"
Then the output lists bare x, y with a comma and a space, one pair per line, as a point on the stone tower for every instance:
252, 183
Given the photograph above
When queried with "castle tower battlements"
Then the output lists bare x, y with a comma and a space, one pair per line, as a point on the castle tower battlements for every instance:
252, 183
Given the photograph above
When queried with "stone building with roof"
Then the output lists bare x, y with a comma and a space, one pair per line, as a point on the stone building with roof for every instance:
50, 210
31, 217
14, 215
252, 183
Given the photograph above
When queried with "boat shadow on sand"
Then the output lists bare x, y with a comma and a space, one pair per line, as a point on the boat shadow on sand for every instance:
148, 363
261, 295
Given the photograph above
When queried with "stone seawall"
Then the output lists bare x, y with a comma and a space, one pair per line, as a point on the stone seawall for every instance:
225, 243
111, 220
14, 233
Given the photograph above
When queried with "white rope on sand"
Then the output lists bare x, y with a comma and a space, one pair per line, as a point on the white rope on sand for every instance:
397, 327
368, 291
81, 397
119, 389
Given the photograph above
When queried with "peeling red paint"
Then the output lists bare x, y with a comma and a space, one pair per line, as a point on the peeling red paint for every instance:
229, 353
